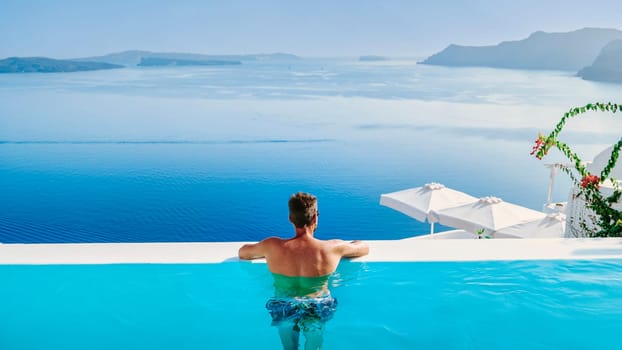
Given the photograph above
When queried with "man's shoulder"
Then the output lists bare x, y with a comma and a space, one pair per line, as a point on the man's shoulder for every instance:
332, 243
347, 248
272, 240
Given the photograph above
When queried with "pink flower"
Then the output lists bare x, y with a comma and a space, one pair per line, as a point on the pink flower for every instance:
540, 145
590, 180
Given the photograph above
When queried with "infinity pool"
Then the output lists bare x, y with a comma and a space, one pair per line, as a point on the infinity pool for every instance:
410, 305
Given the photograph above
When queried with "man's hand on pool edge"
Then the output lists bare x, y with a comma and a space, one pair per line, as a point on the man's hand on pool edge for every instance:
252, 251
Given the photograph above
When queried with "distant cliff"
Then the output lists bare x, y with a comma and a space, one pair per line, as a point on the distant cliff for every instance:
159, 61
135, 57
607, 66
49, 65
125, 58
555, 51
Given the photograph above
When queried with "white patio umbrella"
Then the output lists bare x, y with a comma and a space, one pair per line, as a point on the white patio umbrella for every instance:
420, 201
551, 226
488, 213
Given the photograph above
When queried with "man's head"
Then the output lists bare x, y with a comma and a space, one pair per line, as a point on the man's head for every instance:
302, 209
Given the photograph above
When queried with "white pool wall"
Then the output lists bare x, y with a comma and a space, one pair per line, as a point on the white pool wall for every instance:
412, 249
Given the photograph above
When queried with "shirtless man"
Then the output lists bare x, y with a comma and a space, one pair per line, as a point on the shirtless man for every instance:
301, 267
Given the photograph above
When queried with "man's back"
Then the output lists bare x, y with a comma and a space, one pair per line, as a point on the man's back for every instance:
303, 264
301, 267
303, 255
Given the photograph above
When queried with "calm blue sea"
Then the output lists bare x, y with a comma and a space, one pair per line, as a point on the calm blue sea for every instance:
466, 305
213, 153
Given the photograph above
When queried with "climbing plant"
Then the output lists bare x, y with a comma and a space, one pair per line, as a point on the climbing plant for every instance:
608, 220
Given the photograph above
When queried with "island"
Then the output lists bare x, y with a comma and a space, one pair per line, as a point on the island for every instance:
372, 58
551, 51
161, 61
607, 66
134, 58
49, 65
131, 58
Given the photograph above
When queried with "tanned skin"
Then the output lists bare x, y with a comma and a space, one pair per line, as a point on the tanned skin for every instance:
303, 256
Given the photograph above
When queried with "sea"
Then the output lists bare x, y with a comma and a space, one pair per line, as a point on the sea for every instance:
204, 154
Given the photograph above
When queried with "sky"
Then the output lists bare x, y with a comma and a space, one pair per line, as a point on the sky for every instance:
327, 28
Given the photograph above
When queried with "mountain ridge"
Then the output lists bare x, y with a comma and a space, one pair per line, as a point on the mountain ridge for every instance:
540, 50
606, 67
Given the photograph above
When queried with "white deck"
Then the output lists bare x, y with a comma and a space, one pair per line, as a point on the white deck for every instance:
411, 249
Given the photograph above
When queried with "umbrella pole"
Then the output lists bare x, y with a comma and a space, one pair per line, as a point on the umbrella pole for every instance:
549, 198
431, 228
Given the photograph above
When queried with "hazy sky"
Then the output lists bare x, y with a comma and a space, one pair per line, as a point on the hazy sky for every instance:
73, 28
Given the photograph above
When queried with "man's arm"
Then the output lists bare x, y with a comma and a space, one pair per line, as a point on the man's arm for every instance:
256, 250
352, 249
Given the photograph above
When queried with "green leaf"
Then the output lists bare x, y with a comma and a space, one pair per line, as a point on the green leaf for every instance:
609, 220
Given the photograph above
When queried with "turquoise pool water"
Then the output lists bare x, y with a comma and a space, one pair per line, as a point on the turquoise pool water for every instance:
469, 305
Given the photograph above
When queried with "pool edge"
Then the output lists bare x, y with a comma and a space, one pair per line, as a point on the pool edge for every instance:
415, 250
